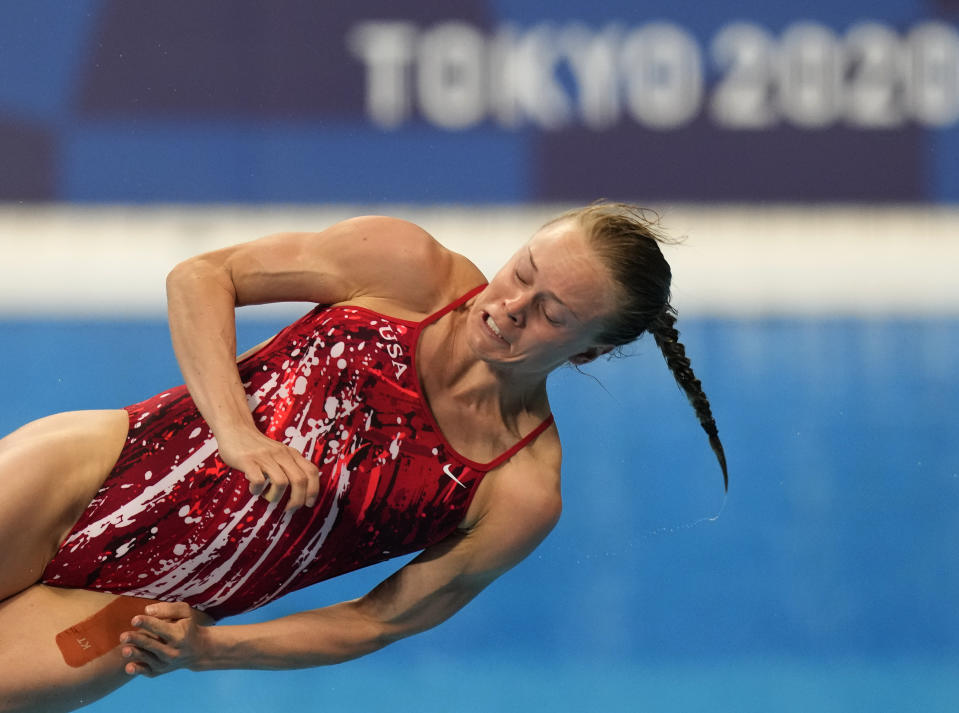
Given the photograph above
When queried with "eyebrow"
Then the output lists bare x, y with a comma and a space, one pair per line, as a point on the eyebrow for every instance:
529, 252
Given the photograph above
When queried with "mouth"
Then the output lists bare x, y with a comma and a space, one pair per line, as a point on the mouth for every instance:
492, 328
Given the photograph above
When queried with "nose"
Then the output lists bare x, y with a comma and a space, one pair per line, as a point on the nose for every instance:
515, 308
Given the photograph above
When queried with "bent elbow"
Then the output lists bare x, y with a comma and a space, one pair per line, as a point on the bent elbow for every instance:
371, 631
198, 275
182, 272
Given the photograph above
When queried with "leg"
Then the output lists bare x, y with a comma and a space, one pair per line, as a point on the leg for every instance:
35, 678
50, 470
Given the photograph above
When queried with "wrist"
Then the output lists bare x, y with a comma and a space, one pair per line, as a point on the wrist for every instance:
233, 426
208, 650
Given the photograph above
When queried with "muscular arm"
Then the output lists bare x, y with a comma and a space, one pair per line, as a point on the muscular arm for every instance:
362, 257
419, 596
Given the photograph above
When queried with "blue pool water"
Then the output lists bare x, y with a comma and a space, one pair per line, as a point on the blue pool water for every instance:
827, 583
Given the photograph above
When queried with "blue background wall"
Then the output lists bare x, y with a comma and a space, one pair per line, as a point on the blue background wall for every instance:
240, 100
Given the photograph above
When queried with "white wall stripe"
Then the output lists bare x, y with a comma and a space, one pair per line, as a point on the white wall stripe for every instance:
737, 260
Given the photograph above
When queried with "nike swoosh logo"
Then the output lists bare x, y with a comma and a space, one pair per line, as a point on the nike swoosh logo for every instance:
449, 472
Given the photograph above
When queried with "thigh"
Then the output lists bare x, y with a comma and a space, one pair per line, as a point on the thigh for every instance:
35, 677
50, 470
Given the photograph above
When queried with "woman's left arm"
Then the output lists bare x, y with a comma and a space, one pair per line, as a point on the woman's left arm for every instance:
425, 592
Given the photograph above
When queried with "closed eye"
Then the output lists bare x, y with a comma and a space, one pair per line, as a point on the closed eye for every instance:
551, 320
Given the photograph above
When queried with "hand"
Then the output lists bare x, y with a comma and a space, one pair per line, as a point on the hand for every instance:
167, 637
271, 468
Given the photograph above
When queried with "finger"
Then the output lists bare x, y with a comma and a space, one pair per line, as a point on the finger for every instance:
158, 629
298, 480
169, 610
304, 479
140, 662
149, 650
258, 480
312, 482
132, 668
277, 486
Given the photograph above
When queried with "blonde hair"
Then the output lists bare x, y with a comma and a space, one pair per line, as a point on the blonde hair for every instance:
627, 240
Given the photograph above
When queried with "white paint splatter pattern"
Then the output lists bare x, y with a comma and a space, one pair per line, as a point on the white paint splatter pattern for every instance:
198, 535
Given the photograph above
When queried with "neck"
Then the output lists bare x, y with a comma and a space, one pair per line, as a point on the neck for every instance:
457, 373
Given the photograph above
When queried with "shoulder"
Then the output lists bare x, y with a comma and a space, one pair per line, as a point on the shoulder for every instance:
382, 231
394, 239
524, 493
405, 263
521, 506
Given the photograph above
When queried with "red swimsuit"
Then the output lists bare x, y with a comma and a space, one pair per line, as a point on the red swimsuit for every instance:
173, 522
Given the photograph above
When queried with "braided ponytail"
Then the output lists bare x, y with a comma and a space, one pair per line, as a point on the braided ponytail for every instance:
667, 339
627, 240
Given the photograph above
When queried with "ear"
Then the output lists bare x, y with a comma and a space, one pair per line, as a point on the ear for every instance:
590, 354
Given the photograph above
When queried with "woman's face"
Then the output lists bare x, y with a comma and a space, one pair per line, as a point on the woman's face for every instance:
545, 306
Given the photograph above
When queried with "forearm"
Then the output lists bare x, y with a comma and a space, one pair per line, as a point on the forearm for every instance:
201, 308
315, 638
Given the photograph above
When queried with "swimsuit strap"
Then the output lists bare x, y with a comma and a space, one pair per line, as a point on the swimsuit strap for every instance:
520, 445
453, 305
529, 437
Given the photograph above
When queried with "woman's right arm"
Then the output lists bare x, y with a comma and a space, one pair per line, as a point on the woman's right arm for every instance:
522, 506
362, 257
